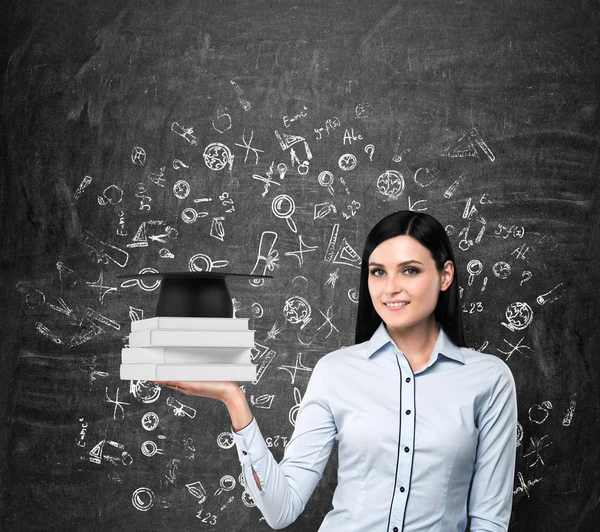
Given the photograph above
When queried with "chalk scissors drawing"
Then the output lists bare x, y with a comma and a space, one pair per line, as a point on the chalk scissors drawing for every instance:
201, 262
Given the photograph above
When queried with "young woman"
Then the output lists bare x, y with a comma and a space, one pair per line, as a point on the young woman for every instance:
426, 427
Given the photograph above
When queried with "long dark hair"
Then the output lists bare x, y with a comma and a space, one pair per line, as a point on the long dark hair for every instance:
431, 234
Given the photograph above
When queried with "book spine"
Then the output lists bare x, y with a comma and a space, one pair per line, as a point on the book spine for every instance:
177, 338
209, 372
195, 372
196, 355
196, 324
138, 372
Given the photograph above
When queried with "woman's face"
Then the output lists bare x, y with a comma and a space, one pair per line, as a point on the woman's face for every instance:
401, 270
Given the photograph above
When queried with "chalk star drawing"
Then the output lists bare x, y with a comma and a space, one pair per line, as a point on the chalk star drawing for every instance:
299, 254
293, 370
117, 403
98, 284
333, 277
274, 331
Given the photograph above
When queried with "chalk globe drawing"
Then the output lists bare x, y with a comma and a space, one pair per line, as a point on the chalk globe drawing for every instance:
518, 315
297, 310
181, 189
391, 184
216, 156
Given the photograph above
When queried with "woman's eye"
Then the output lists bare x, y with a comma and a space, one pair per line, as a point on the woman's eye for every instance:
376, 273
411, 270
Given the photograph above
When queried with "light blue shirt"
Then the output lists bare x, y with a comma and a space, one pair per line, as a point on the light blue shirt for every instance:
409, 443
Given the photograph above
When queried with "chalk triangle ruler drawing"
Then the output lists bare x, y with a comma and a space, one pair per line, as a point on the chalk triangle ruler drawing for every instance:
286, 140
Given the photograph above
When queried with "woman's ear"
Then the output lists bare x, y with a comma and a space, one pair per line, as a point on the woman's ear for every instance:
447, 275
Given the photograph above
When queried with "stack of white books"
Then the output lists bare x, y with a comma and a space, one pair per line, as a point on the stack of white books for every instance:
189, 349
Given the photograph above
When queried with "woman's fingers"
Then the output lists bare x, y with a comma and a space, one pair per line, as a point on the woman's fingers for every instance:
212, 389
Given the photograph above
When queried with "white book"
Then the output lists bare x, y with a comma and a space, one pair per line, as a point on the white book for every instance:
196, 324
180, 338
188, 372
186, 355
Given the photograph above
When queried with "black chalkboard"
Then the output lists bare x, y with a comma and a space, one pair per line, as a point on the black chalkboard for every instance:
268, 137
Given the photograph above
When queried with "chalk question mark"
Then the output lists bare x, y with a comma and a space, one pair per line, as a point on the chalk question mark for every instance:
526, 276
370, 150
177, 164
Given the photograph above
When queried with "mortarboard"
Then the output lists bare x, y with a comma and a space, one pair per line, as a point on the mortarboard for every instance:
194, 294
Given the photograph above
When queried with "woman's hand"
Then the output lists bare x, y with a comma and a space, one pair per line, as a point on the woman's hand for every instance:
222, 390
228, 392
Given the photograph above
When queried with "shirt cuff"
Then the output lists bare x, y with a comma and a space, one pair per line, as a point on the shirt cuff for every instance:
250, 444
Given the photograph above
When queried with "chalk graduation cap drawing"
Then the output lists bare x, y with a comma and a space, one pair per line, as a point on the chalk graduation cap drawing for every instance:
194, 335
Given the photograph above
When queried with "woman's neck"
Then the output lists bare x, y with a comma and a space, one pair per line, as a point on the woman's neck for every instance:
416, 343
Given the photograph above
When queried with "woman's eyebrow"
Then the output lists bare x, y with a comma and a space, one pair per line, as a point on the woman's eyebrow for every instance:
399, 264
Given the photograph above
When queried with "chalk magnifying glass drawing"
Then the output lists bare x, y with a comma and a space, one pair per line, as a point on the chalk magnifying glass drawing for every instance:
278, 206
326, 180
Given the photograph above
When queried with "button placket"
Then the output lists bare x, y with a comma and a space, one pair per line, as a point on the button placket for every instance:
405, 444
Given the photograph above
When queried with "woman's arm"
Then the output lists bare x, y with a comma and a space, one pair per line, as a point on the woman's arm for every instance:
490, 502
280, 490
240, 415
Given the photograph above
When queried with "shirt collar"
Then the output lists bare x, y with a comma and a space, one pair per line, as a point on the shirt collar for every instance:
443, 346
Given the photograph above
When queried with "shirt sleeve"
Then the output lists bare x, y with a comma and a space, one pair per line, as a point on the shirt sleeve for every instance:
490, 502
287, 486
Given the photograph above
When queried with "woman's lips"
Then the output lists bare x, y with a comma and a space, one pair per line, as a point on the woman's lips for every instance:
396, 307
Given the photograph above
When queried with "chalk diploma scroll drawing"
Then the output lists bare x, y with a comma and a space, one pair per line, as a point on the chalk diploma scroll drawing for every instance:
194, 335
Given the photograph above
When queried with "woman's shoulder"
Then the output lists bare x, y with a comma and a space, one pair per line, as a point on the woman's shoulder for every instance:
342, 353
496, 366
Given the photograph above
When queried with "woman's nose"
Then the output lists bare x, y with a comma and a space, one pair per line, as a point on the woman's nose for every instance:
392, 284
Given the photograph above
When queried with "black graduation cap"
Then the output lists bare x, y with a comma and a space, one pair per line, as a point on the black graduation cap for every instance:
194, 294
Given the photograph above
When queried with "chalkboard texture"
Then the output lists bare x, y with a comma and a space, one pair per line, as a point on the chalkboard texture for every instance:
268, 137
